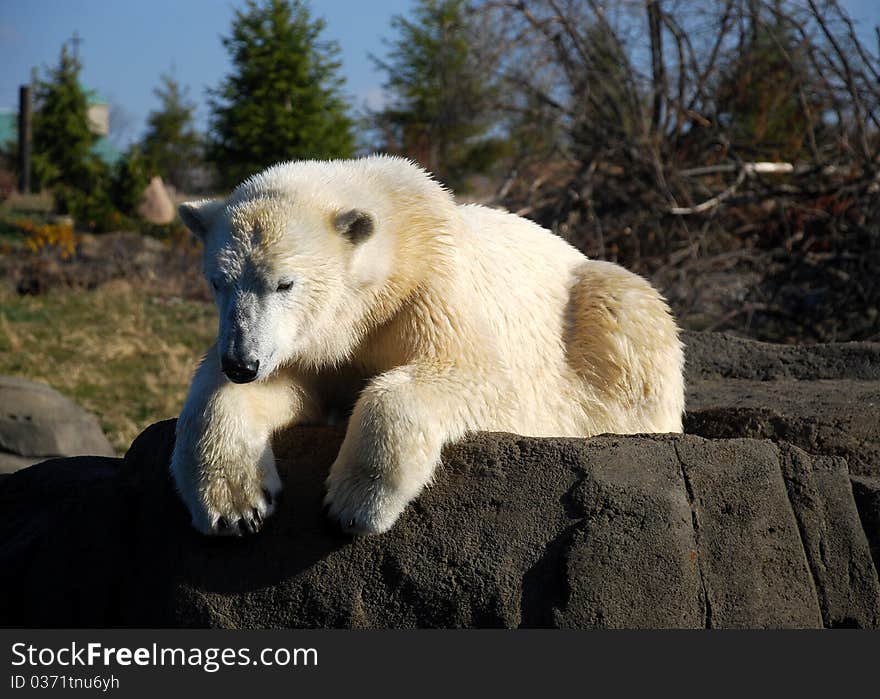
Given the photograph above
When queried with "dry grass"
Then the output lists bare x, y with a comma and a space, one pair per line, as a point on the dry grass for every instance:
125, 355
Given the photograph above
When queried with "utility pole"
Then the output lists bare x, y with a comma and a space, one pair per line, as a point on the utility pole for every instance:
76, 40
24, 139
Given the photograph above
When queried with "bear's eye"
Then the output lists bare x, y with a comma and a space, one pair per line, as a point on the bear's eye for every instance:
284, 286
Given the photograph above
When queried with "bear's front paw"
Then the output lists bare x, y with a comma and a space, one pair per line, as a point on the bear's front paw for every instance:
362, 503
229, 500
231, 507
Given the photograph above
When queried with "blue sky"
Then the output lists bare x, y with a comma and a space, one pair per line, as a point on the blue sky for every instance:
128, 43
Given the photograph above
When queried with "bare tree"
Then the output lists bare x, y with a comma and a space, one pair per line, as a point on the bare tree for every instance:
677, 136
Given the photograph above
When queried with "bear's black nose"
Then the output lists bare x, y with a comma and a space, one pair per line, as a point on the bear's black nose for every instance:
240, 371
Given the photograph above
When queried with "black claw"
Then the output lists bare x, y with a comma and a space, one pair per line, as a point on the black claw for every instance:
257, 518
241, 527
268, 497
222, 523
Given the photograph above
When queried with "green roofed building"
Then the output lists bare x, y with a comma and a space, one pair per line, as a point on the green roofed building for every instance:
99, 120
8, 127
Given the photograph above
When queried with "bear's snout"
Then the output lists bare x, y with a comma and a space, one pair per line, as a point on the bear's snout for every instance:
239, 370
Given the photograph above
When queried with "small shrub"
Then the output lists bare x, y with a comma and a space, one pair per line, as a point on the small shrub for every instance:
92, 209
51, 238
175, 232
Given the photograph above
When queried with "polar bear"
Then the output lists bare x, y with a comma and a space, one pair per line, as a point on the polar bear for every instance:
362, 286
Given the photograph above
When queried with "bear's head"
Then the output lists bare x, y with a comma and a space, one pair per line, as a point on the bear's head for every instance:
297, 261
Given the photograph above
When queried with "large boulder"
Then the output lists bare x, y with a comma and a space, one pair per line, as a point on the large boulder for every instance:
642, 531
36, 422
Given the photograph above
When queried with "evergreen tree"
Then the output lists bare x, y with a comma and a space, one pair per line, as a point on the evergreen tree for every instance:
282, 100
440, 109
128, 179
171, 144
62, 138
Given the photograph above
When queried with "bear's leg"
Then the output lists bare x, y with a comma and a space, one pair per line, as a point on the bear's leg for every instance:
622, 340
392, 446
222, 464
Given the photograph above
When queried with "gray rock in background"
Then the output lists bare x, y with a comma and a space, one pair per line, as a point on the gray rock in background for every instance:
823, 398
37, 422
713, 355
10, 463
156, 205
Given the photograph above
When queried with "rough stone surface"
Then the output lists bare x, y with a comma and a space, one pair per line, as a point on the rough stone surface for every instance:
642, 531
866, 492
61, 538
751, 560
36, 421
824, 398
834, 539
830, 417
719, 355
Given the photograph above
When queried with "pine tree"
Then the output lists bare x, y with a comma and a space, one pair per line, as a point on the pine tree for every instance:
283, 99
171, 144
440, 109
62, 138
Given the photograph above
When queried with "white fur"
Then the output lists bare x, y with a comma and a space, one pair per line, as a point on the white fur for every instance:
453, 319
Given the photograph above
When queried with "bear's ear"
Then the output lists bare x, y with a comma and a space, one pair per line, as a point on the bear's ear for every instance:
356, 225
199, 215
